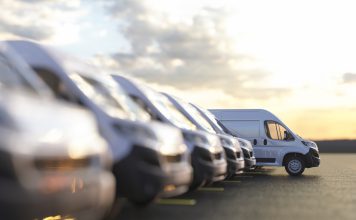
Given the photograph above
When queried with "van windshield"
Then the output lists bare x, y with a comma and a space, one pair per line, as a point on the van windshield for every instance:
109, 97
212, 119
193, 112
12, 77
167, 108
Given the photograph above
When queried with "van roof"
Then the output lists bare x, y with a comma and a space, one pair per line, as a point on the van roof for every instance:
38, 55
244, 114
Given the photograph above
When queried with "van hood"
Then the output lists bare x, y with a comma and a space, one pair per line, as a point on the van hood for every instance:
203, 139
49, 127
245, 144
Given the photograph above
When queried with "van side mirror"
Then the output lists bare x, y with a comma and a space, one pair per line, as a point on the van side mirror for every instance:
286, 135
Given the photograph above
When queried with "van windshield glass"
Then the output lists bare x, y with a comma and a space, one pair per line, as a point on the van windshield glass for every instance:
109, 97
167, 108
11, 77
193, 112
212, 119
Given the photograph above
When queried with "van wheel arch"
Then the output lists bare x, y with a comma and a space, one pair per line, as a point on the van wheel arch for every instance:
288, 155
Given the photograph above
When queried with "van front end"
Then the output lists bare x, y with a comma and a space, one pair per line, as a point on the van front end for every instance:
42, 179
176, 160
249, 156
152, 167
312, 158
234, 155
208, 157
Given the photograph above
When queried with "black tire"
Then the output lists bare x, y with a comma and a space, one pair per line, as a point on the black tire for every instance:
196, 184
257, 168
143, 203
229, 176
295, 165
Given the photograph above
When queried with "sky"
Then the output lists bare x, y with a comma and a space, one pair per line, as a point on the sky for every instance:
294, 58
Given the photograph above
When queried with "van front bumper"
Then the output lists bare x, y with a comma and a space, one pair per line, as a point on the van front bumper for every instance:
220, 169
139, 176
89, 201
233, 164
250, 163
206, 168
312, 158
179, 177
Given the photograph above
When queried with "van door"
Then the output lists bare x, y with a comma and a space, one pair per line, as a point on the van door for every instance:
249, 130
274, 139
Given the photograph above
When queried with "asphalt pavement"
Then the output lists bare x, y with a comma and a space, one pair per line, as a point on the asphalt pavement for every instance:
326, 192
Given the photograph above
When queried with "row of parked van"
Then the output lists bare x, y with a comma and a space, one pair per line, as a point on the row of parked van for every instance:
74, 138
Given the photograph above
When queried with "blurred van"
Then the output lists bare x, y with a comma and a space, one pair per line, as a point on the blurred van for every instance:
247, 150
150, 158
234, 157
207, 154
273, 142
49, 164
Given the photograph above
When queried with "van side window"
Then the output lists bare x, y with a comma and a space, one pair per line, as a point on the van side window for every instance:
284, 134
139, 102
271, 130
54, 82
276, 131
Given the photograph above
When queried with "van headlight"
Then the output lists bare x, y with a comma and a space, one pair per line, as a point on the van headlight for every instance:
197, 139
227, 143
242, 143
310, 144
135, 131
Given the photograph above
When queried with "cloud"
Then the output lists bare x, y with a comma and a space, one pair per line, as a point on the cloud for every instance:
349, 77
193, 51
40, 20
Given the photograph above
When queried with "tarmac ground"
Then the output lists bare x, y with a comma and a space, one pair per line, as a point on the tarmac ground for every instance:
325, 192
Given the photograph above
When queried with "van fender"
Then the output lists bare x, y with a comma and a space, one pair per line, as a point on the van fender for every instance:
291, 151
291, 155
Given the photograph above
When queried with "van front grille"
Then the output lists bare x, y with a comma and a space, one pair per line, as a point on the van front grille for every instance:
61, 164
174, 159
238, 154
217, 156
246, 153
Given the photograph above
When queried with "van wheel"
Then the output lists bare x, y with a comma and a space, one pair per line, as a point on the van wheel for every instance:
295, 166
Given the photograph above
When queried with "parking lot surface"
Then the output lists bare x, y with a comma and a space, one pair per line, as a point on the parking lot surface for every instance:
326, 192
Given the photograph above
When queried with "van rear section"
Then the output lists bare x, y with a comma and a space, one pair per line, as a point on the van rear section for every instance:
273, 142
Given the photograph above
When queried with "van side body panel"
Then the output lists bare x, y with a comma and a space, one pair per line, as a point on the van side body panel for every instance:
250, 124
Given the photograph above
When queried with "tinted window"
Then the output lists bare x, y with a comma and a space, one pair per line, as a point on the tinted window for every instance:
167, 108
54, 83
271, 130
277, 131
9, 76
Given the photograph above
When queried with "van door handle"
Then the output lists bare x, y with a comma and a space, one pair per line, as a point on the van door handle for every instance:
254, 141
265, 141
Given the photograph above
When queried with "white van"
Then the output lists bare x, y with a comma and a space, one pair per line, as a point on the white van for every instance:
150, 158
245, 145
233, 151
208, 157
46, 156
274, 143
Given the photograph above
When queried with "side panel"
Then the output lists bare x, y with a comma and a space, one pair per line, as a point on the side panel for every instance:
268, 152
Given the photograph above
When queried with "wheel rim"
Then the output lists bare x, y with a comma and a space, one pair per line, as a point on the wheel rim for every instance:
294, 166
